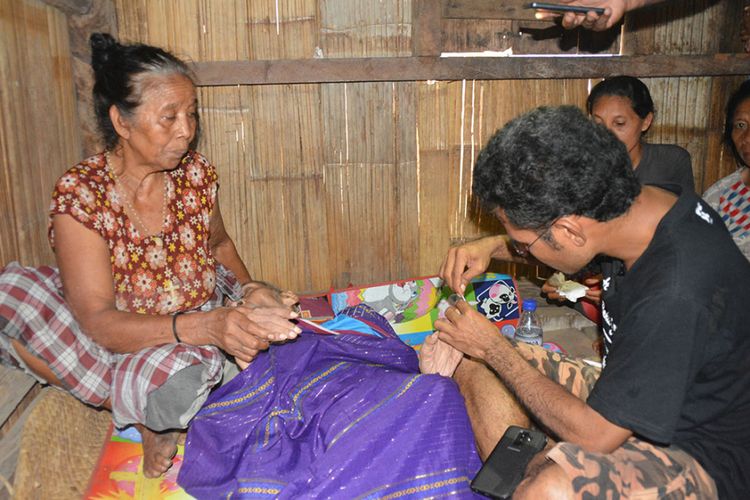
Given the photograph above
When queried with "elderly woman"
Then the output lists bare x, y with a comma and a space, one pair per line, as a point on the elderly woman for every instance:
730, 196
139, 240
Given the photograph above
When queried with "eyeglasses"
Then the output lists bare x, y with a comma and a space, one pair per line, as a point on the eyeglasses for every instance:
522, 249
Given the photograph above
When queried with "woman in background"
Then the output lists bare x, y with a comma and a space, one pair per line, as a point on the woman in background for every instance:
624, 105
730, 196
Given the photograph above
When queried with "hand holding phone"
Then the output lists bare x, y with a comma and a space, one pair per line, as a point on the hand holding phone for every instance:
556, 7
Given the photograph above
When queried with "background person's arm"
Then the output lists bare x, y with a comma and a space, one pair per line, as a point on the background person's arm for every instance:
614, 10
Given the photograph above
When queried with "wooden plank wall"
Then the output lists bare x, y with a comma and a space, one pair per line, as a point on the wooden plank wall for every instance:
39, 133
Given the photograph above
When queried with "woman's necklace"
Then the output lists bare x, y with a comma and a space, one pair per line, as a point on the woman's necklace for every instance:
131, 209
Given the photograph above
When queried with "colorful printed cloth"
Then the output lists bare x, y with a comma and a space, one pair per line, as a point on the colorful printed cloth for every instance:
333, 416
731, 199
158, 274
37, 316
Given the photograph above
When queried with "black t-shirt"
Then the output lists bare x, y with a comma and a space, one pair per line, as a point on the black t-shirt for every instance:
665, 164
677, 339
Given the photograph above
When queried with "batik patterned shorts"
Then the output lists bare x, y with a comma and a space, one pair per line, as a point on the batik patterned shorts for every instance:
637, 469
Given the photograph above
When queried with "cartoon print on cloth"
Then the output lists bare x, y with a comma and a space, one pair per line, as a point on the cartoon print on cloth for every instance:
397, 302
497, 301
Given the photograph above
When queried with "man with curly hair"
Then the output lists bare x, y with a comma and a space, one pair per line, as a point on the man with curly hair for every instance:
668, 414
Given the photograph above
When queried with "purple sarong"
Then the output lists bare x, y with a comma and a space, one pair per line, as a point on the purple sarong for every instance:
333, 416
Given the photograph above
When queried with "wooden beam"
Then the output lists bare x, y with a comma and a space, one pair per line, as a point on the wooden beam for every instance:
427, 32
378, 69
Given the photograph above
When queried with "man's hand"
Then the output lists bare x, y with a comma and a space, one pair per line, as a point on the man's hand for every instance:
472, 259
468, 330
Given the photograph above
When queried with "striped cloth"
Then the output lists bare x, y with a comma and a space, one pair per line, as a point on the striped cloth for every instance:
730, 197
32, 304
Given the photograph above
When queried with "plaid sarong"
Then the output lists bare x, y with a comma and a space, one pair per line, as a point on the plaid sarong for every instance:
37, 316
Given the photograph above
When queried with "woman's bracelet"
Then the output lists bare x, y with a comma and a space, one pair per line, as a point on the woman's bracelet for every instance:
174, 326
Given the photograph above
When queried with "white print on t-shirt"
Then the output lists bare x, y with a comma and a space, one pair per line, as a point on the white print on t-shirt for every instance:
608, 328
703, 214
605, 283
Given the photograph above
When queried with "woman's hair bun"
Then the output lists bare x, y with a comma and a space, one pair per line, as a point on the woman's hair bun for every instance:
102, 45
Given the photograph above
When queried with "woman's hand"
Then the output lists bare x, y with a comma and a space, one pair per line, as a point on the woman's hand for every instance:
472, 259
593, 294
244, 330
549, 290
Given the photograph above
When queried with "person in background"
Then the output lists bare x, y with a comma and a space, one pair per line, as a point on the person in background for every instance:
667, 414
730, 196
613, 13
139, 240
624, 105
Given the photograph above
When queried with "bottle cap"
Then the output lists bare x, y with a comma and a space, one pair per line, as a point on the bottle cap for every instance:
529, 304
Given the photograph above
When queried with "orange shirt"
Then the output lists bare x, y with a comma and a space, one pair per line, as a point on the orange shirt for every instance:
160, 274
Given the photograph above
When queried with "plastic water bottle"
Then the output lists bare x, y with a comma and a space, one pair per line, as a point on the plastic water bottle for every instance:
529, 329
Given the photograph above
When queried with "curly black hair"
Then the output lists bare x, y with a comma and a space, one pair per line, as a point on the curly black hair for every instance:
552, 162
629, 87
738, 97
118, 78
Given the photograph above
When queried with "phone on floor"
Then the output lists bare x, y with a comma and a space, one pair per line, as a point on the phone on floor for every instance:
556, 7
505, 467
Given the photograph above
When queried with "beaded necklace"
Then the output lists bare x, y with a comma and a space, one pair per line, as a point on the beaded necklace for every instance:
131, 209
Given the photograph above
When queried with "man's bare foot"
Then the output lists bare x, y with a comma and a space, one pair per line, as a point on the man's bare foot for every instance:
438, 357
158, 450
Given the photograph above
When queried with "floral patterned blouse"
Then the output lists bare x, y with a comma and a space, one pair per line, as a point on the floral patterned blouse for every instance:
160, 274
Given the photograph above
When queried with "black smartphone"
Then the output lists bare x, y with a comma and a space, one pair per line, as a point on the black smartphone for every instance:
556, 7
505, 467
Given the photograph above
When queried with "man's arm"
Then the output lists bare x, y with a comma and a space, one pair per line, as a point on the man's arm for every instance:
564, 414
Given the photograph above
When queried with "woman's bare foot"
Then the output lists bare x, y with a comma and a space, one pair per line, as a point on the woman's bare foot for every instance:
436, 356
158, 450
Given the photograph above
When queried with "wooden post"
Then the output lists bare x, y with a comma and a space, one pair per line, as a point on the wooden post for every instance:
427, 33
86, 17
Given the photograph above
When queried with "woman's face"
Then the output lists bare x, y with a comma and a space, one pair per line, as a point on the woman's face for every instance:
741, 132
616, 113
164, 124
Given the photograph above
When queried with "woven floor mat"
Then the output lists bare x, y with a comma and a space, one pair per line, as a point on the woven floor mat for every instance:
60, 444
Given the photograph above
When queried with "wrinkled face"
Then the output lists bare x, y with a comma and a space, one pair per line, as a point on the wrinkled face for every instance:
616, 113
165, 122
740, 131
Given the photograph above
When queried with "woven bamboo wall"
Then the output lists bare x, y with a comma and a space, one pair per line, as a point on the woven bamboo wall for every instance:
39, 133
323, 185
